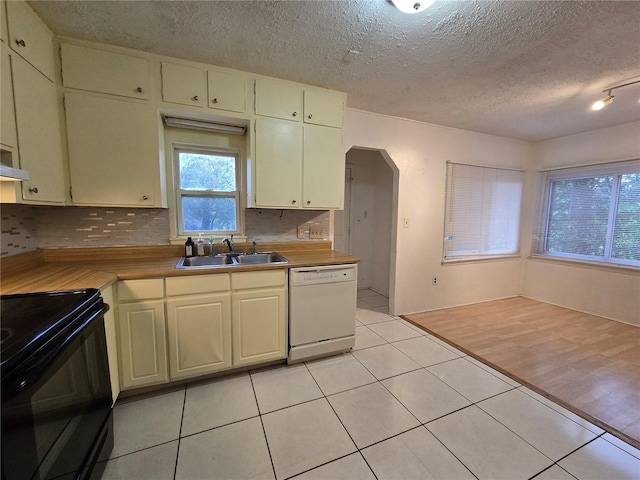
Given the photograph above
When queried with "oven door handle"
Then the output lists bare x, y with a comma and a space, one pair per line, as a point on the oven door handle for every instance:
46, 355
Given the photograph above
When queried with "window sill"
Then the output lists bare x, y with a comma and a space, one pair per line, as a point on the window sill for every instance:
610, 267
459, 261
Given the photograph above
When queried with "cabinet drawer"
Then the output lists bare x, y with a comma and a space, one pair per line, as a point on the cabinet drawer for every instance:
131, 290
197, 284
107, 72
267, 278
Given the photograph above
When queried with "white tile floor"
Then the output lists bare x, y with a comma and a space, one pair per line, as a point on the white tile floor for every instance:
401, 405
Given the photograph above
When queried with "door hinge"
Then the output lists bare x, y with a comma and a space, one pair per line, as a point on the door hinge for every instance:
64, 102
71, 193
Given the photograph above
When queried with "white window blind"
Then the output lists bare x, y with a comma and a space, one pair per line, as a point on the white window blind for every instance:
482, 212
593, 213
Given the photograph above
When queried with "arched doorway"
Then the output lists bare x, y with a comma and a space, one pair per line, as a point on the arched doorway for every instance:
367, 227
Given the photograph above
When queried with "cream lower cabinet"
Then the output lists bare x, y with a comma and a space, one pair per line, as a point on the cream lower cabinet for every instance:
142, 342
198, 325
259, 306
112, 342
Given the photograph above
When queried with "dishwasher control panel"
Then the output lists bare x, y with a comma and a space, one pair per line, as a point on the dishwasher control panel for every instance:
327, 274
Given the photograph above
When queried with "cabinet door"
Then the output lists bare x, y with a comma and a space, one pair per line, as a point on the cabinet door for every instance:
278, 99
226, 91
39, 135
199, 334
142, 344
95, 70
8, 134
324, 163
30, 37
324, 108
259, 325
184, 85
113, 152
278, 163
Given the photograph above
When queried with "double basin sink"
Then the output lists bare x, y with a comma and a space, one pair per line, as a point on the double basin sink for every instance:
231, 259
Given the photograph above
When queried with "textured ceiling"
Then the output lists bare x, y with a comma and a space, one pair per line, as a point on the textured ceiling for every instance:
520, 69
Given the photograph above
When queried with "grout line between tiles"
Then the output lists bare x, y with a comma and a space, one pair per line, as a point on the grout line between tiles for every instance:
184, 404
264, 431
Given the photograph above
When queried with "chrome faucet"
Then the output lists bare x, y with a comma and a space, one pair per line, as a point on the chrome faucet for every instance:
255, 248
229, 244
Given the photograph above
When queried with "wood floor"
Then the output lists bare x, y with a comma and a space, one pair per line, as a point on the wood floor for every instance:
588, 364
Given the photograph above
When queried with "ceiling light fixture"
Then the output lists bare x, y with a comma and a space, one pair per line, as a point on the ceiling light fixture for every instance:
600, 104
412, 6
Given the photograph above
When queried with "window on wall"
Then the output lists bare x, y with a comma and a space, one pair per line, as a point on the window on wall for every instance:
592, 213
208, 191
482, 212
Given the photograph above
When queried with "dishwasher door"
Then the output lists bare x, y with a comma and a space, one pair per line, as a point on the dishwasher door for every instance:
322, 310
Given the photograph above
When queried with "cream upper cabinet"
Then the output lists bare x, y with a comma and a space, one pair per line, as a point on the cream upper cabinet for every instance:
8, 135
278, 163
184, 85
39, 134
323, 172
141, 332
324, 108
102, 71
113, 152
227, 91
278, 99
30, 37
198, 324
259, 316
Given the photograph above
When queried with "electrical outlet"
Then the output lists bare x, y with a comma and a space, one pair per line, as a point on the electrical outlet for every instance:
301, 231
434, 281
316, 232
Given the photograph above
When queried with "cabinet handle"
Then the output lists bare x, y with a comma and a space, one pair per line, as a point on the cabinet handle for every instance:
139, 89
196, 98
33, 190
310, 116
294, 114
21, 43
145, 197
215, 100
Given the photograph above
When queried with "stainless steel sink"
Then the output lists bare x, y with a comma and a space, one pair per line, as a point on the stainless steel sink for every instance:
230, 260
260, 258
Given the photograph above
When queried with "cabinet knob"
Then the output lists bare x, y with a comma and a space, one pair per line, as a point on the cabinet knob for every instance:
21, 43
139, 89
293, 202
215, 100
308, 202
33, 190
196, 98
294, 114
310, 116
145, 197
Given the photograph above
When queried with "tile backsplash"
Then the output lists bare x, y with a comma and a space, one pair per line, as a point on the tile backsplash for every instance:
25, 228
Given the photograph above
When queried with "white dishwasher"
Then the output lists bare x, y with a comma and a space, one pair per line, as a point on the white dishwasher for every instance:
322, 310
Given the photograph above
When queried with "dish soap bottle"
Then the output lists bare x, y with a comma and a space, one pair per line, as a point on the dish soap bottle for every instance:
212, 248
188, 247
200, 246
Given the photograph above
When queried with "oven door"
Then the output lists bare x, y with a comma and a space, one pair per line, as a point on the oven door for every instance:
57, 405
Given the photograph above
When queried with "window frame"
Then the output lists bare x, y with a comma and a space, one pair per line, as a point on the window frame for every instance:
484, 253
542, 233
179, 193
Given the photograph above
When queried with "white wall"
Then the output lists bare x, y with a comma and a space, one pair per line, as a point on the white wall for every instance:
420, 152
611, 293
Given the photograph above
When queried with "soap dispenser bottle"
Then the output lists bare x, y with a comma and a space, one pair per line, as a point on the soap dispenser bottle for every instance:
212, 248
189, 247
200, 246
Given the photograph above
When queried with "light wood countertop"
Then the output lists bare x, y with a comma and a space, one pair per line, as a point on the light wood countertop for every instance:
66, 269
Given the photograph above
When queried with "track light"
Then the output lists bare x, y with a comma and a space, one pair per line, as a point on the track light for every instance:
412, 6
600, 104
